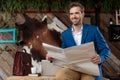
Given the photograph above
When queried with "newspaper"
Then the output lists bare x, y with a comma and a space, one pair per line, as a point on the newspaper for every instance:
77, 58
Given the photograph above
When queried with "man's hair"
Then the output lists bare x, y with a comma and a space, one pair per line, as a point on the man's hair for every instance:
76, 4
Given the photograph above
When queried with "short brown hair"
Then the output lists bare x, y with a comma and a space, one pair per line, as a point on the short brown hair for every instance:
76, 4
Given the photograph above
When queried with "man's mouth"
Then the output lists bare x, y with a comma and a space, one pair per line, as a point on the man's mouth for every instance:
74, 20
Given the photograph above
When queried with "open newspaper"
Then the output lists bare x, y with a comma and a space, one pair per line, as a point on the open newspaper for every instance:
77, 58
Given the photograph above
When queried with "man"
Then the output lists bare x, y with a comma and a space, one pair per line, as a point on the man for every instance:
80, 33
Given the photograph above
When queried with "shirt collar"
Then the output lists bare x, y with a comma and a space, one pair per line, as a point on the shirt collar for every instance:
80, 29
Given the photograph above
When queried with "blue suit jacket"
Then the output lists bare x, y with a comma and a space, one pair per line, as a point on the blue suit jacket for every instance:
90, 33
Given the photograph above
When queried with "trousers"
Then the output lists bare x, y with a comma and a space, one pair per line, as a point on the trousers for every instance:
68, 74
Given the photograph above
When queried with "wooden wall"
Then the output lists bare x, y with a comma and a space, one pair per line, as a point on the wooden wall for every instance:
111, 68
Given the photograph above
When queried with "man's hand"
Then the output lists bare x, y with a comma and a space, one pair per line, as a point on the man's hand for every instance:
49, 58
96, 59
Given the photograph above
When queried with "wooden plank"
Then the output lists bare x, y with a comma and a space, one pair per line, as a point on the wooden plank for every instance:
3, 75
6, 63
30, 78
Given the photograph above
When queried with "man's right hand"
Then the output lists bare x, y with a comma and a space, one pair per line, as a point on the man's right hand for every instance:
49, 58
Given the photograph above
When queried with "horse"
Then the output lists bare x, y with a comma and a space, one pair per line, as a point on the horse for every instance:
35, 32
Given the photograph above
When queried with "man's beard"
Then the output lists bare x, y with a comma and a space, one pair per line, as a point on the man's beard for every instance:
78, 22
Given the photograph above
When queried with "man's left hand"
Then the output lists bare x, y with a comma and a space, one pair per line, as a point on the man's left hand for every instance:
96, 59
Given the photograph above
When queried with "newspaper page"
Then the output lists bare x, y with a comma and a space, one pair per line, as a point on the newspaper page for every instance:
77, 58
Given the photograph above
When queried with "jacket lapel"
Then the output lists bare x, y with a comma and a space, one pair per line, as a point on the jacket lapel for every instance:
84, 34
71, 37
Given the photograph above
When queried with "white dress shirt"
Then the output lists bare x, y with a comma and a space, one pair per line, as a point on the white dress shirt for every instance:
77, 36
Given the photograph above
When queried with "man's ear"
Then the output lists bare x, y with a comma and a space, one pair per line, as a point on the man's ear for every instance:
83, 15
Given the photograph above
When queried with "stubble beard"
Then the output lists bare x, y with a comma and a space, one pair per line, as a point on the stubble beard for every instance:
78, 23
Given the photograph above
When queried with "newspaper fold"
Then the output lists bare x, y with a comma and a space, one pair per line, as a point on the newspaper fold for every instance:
77, 58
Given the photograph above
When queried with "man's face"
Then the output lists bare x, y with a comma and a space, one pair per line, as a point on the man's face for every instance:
76, 16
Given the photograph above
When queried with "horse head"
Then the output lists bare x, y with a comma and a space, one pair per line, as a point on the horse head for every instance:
34, 32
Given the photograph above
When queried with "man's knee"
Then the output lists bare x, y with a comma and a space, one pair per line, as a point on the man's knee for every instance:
67, 74
87, 77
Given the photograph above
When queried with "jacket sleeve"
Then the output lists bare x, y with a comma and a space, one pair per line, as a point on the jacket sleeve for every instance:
102, 48
63, 41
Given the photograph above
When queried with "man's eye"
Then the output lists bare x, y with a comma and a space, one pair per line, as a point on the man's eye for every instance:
78, 13
71, 13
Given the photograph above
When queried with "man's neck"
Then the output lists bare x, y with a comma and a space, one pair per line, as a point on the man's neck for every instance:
77, 28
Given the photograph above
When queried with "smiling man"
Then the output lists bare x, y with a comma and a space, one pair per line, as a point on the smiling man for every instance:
80, 33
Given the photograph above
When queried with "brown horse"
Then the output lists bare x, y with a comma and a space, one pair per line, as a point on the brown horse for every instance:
32, 31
